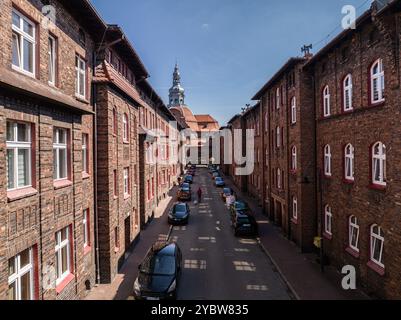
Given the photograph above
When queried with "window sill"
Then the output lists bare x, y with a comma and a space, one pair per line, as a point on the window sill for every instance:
116, 250
21, 193
85, 175
81, 99
62, 184
352, 252
348, 181
376, 104
126, 142
376, 268
328, 177
64, 283
87, 249
377, 187
294, 221
327, 236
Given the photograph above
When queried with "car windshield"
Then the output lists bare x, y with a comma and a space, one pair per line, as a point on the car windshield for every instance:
185, 189
227, 191
180, 208
219, 179
244, 220
240, 206
189, 177
159, 264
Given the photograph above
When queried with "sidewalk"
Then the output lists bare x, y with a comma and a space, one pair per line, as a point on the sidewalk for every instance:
300, 271
122, 286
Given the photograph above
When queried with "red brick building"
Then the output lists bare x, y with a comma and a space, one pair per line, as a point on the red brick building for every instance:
46, 137
117, 103
288, 155
358, 149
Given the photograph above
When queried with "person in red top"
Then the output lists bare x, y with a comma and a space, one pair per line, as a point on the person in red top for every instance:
199, 194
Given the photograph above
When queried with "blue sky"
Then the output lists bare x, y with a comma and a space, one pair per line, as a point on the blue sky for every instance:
226, 49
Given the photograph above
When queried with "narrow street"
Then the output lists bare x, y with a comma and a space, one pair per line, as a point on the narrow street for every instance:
218, 265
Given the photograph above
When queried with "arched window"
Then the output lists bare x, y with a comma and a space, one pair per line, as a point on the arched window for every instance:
349, 162
326, 102
353, 233
328, 219
278, 178
327, 161
294, 208
125, 128
293, 110
278, 137
294, 158
347, 93
376, 245
379, 164
278, 98
377, 81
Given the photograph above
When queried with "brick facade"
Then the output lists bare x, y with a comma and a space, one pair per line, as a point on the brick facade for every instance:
376, 37
31, 216
370, 204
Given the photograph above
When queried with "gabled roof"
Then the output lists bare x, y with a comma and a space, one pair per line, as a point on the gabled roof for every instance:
289, 64
126, 49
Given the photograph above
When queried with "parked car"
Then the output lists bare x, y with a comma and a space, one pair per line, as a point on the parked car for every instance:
191, 172
189, 179
239, 206
184, 193
215, 175
179, 214
159, 273
244, 224
225, 193
219, 182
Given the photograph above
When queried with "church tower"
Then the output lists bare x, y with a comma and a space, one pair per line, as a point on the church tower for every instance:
176, 93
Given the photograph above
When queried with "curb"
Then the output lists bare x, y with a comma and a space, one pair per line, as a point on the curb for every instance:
170, 231
283, 277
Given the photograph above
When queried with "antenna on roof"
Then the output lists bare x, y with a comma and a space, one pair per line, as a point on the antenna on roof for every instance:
306, 50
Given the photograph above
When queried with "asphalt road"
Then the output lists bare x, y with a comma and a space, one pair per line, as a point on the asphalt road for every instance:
217, 265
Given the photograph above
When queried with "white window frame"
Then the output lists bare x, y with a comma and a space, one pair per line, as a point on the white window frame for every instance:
326, 102
279, 179
374, 238
125, 128
295, 208
86, 228
79, 71
349, 162
380, 160
347, 93
52, 60
328, 220
278, 137
353, 227
85, 153
126, 182
22, 35
20, 272
293, 110
278, 98
327, 160
58, 253
16, 145
379, 78
294, 158
60, 146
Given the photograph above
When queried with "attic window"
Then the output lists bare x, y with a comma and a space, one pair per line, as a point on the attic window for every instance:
82, 37
344, 53
373, 36
324, 67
